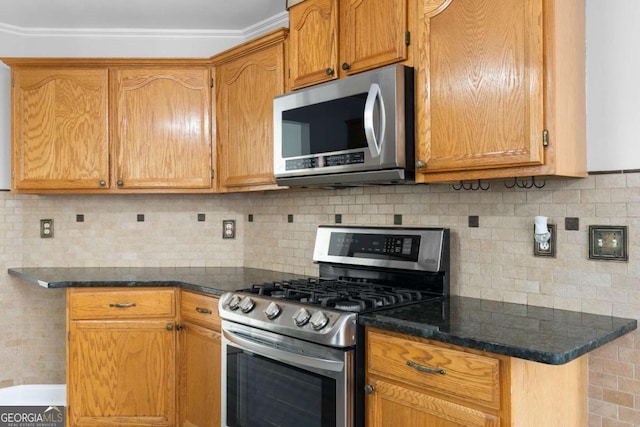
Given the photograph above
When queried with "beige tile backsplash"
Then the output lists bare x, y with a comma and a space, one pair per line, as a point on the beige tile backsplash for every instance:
493, 261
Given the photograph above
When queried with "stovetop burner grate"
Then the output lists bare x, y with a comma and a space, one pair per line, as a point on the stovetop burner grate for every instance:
338, 294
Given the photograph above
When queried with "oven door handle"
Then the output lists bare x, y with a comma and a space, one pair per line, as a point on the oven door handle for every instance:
282, 355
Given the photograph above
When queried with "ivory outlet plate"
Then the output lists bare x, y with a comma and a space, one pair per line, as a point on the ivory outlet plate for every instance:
46, 228
608, 242
228, 228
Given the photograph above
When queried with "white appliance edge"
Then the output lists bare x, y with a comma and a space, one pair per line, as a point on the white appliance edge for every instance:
5, 126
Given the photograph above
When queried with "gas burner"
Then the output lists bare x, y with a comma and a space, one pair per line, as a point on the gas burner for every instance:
353, 306
278, 294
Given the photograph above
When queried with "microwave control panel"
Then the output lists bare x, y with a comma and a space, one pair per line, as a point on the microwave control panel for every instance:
325, 161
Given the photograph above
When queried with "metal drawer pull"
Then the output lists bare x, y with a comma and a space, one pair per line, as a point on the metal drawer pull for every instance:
426, 369
203, 310
132, 304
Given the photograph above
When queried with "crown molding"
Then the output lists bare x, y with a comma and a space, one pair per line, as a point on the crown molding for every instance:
279, 20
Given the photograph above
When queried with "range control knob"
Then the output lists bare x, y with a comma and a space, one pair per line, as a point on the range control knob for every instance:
272, 311
301, 317
234, 303
247, 304
319, 320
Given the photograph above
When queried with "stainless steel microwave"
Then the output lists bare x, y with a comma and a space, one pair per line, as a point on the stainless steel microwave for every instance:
353, 131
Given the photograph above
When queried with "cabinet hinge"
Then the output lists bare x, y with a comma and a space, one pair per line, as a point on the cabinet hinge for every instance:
213, 173
407, 38
211, 82
545, 138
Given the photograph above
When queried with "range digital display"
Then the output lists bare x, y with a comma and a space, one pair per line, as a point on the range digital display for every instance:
359, 245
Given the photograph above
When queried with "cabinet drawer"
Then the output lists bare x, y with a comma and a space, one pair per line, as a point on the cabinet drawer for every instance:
200, 309
121, 304
467, 376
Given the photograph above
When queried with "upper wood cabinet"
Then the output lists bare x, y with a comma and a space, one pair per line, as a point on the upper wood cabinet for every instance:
108, 125
161, 134
60, 128
500, 89
247, 78
336, 38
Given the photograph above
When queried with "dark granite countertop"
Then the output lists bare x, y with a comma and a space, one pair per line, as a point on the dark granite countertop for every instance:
527, 332
534, 333
210, 280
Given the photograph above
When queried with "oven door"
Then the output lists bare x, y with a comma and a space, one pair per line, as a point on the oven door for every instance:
273, 380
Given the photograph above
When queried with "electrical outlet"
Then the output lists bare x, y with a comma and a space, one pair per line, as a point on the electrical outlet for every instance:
228, 228
551, 250
608, 242
46, 228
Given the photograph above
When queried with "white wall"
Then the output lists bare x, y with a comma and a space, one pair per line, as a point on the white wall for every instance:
613, 84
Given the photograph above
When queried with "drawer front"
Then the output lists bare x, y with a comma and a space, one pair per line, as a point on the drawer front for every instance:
121, 304
200, 309
467, 376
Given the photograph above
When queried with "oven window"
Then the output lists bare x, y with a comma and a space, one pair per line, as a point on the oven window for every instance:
325, 127
263, 392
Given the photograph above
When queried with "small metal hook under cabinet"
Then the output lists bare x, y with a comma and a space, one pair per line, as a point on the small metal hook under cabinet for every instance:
471, 186
525, 184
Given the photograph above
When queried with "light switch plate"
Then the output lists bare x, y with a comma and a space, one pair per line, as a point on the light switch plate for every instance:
608, 242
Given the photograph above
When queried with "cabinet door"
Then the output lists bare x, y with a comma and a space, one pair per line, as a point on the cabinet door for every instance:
199, 383
60, 128
245, 88
372, 33
161, 128
121, 373
313, 42
479, 101
391, 405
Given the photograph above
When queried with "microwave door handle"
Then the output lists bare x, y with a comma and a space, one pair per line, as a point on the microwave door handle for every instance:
375, 146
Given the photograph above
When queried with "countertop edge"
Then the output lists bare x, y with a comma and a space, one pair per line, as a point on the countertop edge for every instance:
425, 331
115, 283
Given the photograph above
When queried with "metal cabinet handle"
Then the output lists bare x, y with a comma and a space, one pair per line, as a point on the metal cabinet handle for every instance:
420, 164
368, 388
425, 369
120, 305
102, 183
330, 71
120, 183
345, 66
169, 327
203, 310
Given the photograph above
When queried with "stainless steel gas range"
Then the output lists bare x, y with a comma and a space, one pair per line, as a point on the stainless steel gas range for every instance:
293, 354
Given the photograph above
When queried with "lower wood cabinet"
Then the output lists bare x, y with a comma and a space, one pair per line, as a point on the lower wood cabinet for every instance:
121, 357
142, 357
199, 361
417, 382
